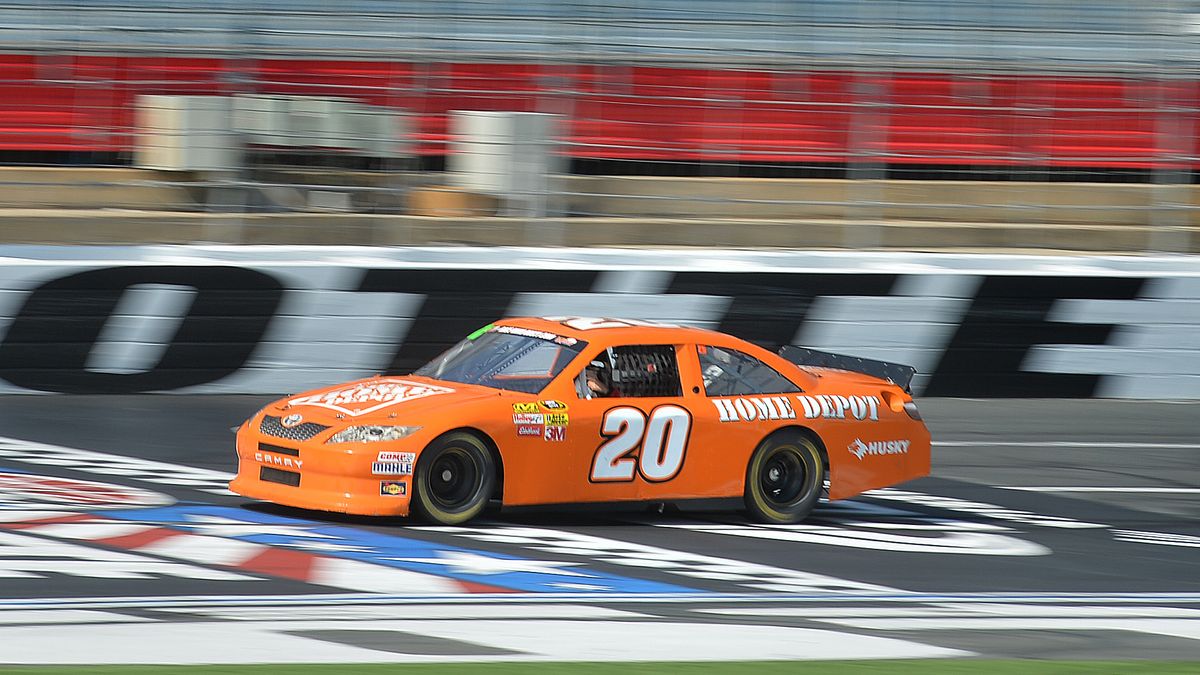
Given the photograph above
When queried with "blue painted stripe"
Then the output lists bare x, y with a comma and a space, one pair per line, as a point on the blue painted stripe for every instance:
469, 565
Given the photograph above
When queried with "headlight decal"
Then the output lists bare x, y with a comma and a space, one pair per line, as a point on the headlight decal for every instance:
371, 432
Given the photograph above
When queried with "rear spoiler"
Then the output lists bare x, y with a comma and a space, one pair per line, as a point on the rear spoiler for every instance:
896, 373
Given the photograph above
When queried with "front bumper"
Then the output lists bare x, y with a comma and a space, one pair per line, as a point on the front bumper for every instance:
312, 475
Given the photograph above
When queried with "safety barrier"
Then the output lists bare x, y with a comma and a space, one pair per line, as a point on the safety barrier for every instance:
283, 319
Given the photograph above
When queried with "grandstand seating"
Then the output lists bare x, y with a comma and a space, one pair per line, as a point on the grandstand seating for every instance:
85, 103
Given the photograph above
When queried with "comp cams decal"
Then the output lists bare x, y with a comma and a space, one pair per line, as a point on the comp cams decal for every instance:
393, 464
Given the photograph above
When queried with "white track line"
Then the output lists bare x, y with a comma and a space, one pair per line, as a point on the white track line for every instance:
1065, 444
1060, 488
345, 599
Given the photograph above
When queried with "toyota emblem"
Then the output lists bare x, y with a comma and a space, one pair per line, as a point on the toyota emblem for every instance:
292, 420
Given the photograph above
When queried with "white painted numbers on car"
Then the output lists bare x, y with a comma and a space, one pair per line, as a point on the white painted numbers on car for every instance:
653, 447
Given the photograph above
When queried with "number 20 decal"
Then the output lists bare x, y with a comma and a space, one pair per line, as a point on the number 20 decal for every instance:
652, 447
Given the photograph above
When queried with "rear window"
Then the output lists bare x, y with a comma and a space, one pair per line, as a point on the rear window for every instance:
728, 372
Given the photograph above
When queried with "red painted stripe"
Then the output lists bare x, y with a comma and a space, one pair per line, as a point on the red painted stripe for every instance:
29, 524
281, 562
472, 587
137, 540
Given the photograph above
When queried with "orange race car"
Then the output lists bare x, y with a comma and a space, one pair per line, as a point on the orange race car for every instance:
567, 410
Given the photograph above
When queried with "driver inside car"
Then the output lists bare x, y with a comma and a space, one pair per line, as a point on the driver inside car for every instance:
598, 377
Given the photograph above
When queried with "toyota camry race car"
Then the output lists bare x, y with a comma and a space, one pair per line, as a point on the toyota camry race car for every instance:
568, 410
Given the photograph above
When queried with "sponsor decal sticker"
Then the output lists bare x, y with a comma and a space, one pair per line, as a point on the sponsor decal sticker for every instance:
553, 406
557, 419
591, 323
393, 464
529, 430
292, 420
840, 407
750, 408
530, 407
368, 397
861, 449
276, 460
529, 418
539, 334
555, 434
392, 468
393, 488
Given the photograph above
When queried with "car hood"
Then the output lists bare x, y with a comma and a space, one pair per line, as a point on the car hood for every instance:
379, 400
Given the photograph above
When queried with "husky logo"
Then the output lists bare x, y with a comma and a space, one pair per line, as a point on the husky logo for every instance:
860, 449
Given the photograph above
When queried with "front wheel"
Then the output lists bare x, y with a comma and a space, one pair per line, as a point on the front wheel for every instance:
784, 479
454, 479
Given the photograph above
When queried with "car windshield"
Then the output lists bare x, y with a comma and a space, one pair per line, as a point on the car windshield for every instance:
505, 357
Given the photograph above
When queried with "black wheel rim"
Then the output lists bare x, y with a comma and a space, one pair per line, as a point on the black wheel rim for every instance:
784, 478
454, 479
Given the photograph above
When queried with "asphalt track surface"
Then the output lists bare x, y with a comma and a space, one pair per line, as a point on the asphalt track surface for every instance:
1049, 529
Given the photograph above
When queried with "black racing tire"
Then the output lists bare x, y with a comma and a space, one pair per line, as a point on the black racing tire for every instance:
455, 477
784, 479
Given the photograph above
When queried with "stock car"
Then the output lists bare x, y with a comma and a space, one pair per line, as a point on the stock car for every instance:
556, 410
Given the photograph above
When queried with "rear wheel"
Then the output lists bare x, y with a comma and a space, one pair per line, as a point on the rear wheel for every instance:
784, 478
455, 477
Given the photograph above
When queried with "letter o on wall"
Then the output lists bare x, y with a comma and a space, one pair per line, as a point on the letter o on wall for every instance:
47, 345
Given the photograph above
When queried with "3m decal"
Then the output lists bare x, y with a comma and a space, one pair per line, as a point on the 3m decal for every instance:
393, 488
653, 447
860, 449
368, 397
752, 408
530, 407
836, 407
555, 434
552, 406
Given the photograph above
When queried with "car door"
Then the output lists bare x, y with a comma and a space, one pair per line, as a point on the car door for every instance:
641, 422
